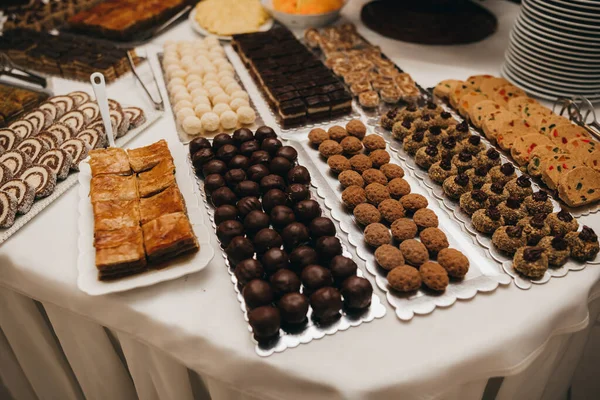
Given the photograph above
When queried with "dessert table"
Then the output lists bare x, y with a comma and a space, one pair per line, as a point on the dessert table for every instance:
187, 339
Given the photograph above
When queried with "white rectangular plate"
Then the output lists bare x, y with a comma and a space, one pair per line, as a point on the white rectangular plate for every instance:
88, 281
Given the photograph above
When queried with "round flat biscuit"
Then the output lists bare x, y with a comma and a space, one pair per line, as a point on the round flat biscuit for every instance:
467, 100
561, 134
476, 80
443, 89
490, 86
523, 147
493, 123
459, 91
509, 131
516, 104
506, 93
480, 110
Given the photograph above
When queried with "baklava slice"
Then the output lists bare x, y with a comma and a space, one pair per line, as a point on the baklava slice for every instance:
112, 160
166, 202
157, 179
113, 187
119, 253
169, 236
145, 158
116, 214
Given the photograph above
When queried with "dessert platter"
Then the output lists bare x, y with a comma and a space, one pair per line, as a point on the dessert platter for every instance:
206, 94
280, 244
41, 151
18, 99
139, 219
418, 256
44, 15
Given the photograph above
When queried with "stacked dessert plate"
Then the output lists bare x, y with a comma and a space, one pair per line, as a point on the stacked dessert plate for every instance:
554, 49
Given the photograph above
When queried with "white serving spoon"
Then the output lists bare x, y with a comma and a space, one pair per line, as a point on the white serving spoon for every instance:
99, 87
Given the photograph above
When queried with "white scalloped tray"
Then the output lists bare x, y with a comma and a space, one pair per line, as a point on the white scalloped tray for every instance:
87, 280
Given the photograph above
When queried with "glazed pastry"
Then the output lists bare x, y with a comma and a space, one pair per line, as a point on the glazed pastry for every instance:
39, 119
41, 178
369, 99
487, 220
23, 192
58, 160
8, 139
512, 210
478, 176
534, 228
136, 116
562, 223
16, 161
23, 128
495, 192
531, 262
442, 170
75, 119
538, 203
520, 187
503, 173
556, 249
94, 138
456, 186
584, 245
33, 148
78, 150
8, 209
509, 238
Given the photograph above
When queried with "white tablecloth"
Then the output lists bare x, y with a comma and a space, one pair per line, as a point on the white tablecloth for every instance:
143, 341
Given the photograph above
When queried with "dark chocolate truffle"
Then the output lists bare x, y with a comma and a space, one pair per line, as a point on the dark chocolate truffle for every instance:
257, 172
298, 192
221, 140
249, 147
357, 293
274, 259
247, 270
257, 293
272, 198
227, 152
271, 145
239, 161
255, 221
284, 281
328, 247
201, 157
302, 256
280, 166
282, 216
214, 167
307, 210
326, 304
227, 230
321, 226
240, 248
298, 174
272, 181
342, 268
234, 176
199, 143
287, 152
265, 322
266, 239
264, 132
294, 235
260, 157
223, 195
242, 135
247, 188
293, 308
213, 182
314, 277
247, 204
225, 213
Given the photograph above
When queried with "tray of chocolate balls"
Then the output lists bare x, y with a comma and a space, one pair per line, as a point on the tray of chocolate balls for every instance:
294, 275
522, 227
417, 254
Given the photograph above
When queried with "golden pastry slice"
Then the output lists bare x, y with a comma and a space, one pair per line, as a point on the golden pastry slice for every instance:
480, 110
116, 214
166, 202
119, 252
144, 158
168, 236
113, 187
112, 160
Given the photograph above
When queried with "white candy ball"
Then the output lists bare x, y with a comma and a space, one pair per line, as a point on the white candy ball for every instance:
193, 78
199, 92
246, 115
226, 81
178, 73
184, 112
225, 73
215, 90
240, 94
227, 67
196, 70
182, 104
232, 88
192, 125
182, 95
211, 84
211, 76
229, 119
221, 98
210, 121
200, 100
194, 85
237, 103
220, 108
175, 82
202, 109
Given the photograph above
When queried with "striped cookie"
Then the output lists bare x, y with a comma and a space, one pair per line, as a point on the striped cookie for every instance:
468, 100
506, 93
556, 166
480, 110
443, 89
523, 147
579, 187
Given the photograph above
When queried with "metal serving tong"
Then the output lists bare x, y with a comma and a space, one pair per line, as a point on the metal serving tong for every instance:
579, 110
158, 105
8, 68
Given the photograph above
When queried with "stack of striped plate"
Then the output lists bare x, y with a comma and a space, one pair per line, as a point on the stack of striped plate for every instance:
554, 49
